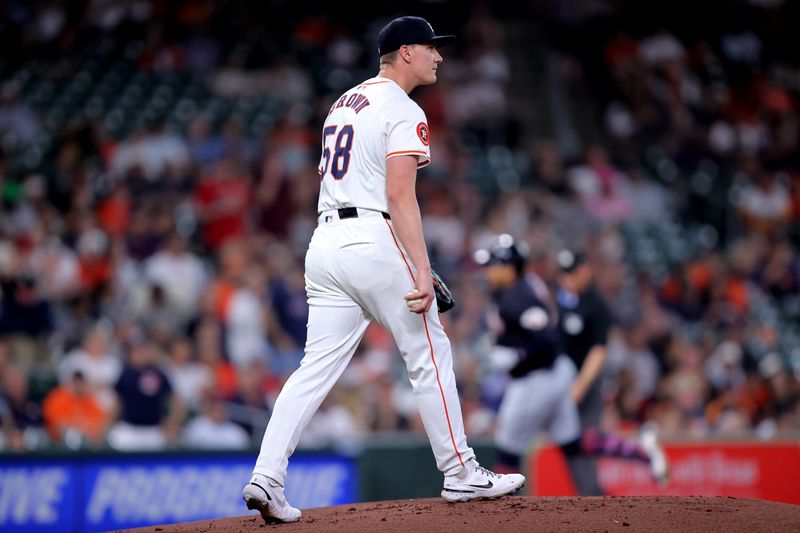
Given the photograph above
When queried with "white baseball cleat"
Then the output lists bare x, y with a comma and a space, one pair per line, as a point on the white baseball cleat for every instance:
659, 465
265, 495
479, 483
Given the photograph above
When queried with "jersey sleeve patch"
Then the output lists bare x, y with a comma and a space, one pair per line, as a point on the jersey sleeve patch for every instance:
407, 132
534, 319
423, 134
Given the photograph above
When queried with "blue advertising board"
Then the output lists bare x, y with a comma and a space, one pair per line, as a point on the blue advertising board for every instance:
37, 496
116, 492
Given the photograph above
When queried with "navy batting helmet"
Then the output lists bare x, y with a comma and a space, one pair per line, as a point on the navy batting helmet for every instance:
569, 261
504, 250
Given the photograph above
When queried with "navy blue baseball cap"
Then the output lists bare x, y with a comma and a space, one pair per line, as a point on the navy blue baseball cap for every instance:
409, 30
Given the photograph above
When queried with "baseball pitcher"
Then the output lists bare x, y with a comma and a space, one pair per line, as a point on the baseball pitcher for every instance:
367, 260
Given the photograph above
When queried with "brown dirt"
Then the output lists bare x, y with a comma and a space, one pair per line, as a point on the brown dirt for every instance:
601, 514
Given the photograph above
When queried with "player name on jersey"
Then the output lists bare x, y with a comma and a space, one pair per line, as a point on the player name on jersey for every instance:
355, 101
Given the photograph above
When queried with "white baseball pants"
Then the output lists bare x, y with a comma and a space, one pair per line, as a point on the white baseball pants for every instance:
357, 271
539, 402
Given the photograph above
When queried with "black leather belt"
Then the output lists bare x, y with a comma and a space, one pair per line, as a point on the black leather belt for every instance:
352, 212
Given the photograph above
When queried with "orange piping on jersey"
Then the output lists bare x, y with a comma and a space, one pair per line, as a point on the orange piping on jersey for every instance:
374, 83
430, 344
409, 152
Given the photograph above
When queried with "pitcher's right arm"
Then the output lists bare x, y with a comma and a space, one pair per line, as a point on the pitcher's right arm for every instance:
401, 178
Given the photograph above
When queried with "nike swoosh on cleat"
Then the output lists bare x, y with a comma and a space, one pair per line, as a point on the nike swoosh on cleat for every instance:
488, 485
262, 488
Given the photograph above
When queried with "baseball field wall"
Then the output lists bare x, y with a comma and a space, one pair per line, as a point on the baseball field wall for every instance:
748, 469
105, 491
84, 492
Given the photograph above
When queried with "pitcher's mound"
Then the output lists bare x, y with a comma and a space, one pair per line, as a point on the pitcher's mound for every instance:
632, 513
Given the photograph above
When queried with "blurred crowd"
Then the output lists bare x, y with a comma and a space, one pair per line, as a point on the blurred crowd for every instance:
151, 267
695, 197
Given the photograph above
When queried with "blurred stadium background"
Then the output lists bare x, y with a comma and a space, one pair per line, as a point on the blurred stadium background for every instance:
158, 185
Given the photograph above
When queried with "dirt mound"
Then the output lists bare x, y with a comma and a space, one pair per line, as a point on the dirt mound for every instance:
631, 513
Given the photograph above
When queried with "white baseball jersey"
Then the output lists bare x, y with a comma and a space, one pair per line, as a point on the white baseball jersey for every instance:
356, 271
367, 125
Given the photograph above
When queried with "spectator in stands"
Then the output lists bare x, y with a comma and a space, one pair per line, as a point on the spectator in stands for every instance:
155, 312
783, 409
725, 365
287, 308
629, 352
208, 345
549, 168
97, 362
289, 147
779, 273
115, 211
648, 200
256, 391
661, 47
236, 145
212, 429
94, 261
181, 275
237, 307
332, 424
153, 152
593, 172
18, 123
445, 233
766, 205
232, 80
142, 239
55, 266
189, 378
686, 386
205, 148
73, 415
570, 224
222, 199
25, 415
149, 414
610, 205
26, 318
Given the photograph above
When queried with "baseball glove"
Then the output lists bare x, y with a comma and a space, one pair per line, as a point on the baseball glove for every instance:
444, 298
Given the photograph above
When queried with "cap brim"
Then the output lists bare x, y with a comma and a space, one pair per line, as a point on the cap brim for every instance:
441, 40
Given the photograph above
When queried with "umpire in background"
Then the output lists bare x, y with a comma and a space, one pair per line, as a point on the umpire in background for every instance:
583, 325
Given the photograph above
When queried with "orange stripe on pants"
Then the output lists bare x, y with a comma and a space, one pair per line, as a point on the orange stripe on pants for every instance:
430, 344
